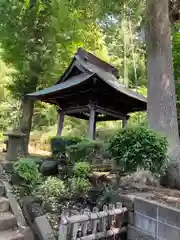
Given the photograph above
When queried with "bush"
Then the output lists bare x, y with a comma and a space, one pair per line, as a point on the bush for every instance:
28, 170
59, 144
53, 187
52, 192
139, 147
86, 150
82, 170
79, 187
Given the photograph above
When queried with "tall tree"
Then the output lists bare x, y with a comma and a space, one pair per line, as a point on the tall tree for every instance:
26, 46
38, 38
162, 112
176, 61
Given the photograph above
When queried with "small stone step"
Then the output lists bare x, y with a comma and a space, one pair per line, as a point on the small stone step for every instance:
4, 204
7, 221
11, 235
1, 190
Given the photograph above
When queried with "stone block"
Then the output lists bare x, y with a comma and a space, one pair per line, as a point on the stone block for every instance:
169, 215
27, 233
146, 224
15, 207
131, 218
166, 232
136, 234
4, 204
11, 235
44, 228
146, 207
1, 190
127, 201
7, 166
7, 221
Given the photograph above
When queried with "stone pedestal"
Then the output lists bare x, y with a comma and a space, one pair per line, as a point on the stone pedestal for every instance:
14, 145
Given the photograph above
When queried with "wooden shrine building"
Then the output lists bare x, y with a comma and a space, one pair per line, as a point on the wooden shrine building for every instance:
89, 89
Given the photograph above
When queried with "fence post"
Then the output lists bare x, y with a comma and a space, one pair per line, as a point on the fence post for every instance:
119, 217
104, 219
85, 224
103, 224
95, 222
74, 230
63, 228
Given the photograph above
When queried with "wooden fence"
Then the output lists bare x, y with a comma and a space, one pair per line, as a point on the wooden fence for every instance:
106, 224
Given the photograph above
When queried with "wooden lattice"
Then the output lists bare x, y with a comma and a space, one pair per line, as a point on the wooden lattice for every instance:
93, 225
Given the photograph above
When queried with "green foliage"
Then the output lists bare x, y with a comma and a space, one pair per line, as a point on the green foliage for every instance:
79, 186
53, 188
87, 150
138, 147
82, 170
45, 36
44, 115
27, 169
30, 51
106, 196
52, 192
127, 50
59, 144
176, 61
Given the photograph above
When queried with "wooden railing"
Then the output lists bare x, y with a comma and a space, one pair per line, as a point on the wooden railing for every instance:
106, 224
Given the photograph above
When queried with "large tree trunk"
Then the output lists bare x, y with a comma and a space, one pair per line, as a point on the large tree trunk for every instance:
27, 107
162, 113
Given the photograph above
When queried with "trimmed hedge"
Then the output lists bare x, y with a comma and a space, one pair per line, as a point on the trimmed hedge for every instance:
138, 147
88, 150
59, 145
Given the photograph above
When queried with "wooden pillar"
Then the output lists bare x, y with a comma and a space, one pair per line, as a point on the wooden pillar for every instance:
125, 121
92, 123
60, 123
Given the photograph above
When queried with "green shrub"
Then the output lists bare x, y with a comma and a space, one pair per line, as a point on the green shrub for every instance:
86, 151
53, 187
138, 147
52, 192
82, 169
29, 175
79, 186
27, 169
106, 196
59, 144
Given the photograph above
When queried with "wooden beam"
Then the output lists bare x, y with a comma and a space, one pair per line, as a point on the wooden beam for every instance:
60, 123
125, 121
106, 118
79, 116
98, 118
78, 109
110, 112
92, 123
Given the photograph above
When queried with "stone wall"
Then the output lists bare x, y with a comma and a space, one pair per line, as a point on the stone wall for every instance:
149, 220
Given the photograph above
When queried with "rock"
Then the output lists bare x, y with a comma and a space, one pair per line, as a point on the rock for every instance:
16, 180
172, 176
43, 228
49, 168
38, 161
140, 177
99, 179
31, 208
